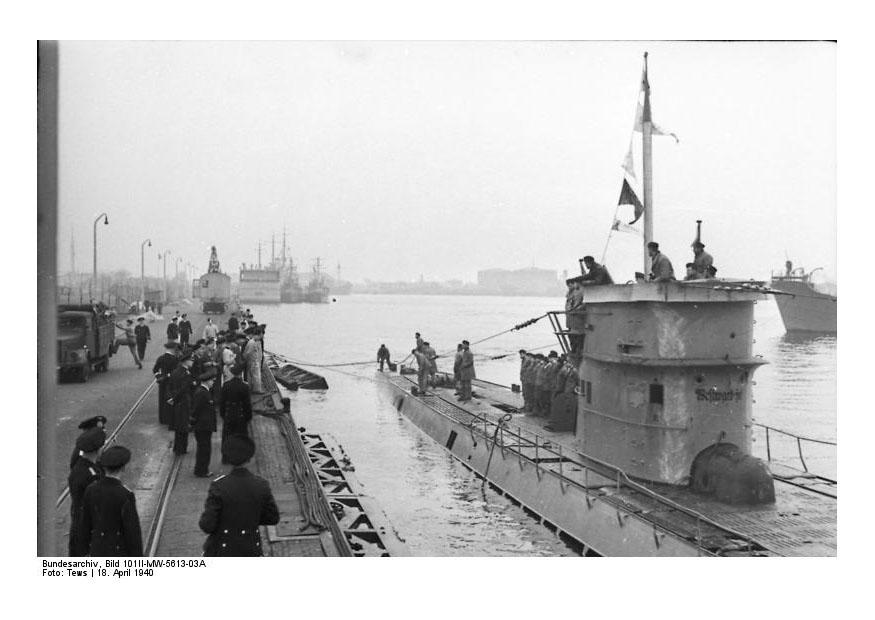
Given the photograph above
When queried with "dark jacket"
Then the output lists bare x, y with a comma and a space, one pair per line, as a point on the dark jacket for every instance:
233, 324
236, 505
180, 390
172, 331
142, 333
185, 328
164, 365
110, 524
382, 354
236, 407
83, 473
203, 411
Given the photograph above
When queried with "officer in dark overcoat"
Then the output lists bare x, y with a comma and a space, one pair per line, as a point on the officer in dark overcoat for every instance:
181, 388
97, 421
84, 471
235, 406
110, 525
237, 503
203, 422
163, 368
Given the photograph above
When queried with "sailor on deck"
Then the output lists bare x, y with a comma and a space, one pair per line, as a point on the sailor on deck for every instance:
660, 267
466, 371
597, 274
143, 336
383, 356
702, 261
422, 371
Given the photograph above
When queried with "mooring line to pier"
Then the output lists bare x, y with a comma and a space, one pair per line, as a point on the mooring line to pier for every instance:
112, 436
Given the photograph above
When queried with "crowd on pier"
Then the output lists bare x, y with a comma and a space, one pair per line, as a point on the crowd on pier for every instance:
198, 383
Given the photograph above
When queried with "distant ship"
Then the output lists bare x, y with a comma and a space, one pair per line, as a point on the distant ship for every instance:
317, 290
805, 307
291, 291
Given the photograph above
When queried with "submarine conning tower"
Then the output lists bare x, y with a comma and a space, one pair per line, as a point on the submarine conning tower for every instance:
665, 376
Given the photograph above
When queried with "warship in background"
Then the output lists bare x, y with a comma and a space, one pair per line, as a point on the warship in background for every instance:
805, 306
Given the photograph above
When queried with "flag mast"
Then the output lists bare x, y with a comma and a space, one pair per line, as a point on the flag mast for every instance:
647, 152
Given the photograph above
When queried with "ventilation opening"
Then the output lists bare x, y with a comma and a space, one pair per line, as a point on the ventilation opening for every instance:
451, 440
657, 393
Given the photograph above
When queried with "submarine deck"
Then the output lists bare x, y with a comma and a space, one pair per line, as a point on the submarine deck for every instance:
801, 522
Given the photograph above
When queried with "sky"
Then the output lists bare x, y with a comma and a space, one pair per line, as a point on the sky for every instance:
401, 159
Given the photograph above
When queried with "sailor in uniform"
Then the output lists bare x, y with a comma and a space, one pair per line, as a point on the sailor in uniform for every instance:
84, 472
203, 422
660, 267
110, 525
702, 261
97, 421
235, 407
180, 392
164, 366
466, 372
237, 503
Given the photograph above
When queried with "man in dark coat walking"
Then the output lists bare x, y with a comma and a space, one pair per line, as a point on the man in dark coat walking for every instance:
173, 330
181, 388
235, 407
203, 422
84, 471
237, 503
142, 335
163, 368
110, 525
184, 330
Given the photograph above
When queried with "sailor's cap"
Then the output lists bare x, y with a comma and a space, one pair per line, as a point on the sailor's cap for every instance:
238, 449
114, 457
92, 422
91, 439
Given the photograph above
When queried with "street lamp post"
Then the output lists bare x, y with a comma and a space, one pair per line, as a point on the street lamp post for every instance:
164, 256
106, 223
143, 269
176, 274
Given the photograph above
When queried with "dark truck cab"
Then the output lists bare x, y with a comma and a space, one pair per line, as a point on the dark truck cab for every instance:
85, 339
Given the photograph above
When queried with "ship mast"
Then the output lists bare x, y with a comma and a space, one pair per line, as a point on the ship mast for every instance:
272, 250
259, 254
284, 245
647, 152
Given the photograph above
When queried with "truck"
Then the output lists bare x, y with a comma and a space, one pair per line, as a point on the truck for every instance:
214, 287
85, 341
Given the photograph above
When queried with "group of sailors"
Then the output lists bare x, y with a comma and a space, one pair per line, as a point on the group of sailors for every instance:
426, 363
701, 268
197, 383
548, 386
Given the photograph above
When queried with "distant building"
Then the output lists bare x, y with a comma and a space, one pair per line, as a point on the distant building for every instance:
528, 281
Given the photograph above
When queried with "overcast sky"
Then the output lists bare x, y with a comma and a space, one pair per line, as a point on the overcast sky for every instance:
400, 159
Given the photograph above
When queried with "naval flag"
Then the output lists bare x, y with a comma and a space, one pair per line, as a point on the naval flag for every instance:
629, 197
621, 227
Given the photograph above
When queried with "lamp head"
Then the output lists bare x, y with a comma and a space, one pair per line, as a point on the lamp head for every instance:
106, 220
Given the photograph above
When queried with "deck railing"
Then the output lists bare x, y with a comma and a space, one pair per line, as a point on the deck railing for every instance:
798, 439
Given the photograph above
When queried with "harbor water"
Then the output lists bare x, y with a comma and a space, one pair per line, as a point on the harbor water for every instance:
436, 505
